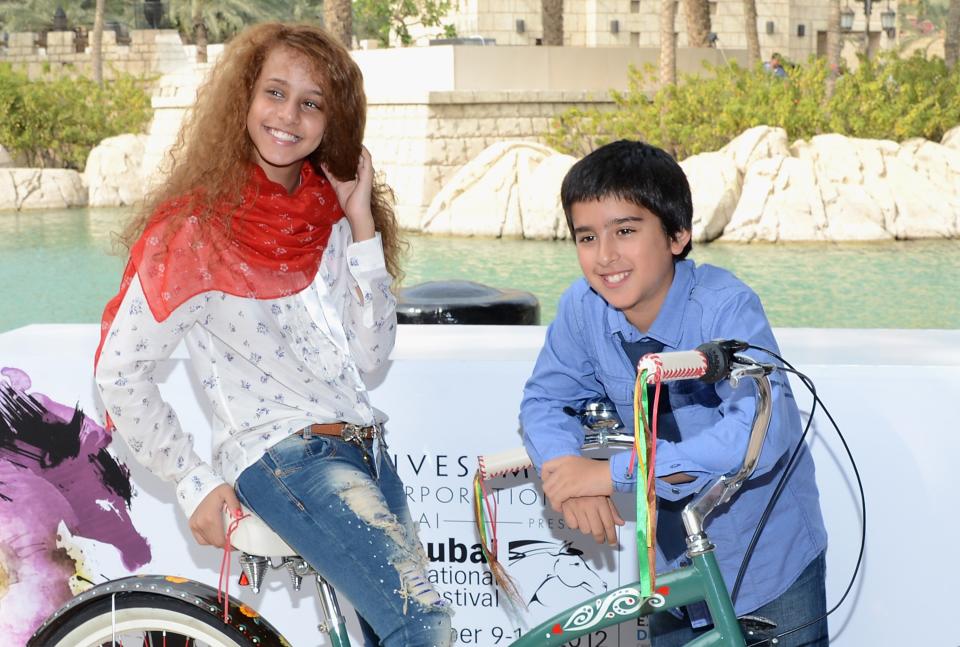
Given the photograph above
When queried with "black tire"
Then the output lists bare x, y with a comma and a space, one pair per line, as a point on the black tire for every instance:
147, 616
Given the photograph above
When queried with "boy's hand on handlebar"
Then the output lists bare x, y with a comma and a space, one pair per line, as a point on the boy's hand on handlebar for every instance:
575, 476
206, 522
593, 515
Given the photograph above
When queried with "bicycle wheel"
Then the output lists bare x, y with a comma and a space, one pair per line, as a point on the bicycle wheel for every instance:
146, 620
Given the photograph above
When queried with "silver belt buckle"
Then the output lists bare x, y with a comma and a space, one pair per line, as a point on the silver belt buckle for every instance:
352, 432
359, 433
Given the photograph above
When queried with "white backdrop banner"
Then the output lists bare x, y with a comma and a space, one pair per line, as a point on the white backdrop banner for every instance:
453, 392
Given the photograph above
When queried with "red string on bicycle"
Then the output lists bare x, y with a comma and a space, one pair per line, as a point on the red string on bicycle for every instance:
223, 585
485, 513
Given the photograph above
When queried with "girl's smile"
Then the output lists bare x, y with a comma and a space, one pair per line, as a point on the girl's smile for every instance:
286, 119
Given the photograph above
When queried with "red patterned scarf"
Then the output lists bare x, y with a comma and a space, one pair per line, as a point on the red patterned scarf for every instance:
269, 247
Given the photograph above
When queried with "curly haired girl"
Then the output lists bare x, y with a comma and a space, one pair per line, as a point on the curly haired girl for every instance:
270, 250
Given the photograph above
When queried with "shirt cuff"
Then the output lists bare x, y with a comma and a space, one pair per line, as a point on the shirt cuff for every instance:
365, 258
678, 491
369, 269
195, 486
626, 481
623, 479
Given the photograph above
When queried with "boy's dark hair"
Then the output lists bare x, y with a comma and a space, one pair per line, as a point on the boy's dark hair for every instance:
634, 172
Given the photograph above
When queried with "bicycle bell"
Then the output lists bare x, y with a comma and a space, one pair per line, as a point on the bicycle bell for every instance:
598, 415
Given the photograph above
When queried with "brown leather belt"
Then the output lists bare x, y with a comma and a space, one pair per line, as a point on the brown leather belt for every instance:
344, 430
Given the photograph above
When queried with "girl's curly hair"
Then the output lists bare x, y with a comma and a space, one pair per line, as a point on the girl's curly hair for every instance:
209, 162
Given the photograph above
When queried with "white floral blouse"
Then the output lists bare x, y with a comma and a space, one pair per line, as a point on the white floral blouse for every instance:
268, 367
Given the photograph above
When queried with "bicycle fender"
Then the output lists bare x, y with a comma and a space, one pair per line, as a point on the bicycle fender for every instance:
241, 617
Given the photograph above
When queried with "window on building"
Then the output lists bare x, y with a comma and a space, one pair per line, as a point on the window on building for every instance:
634, 6
713, 8
635, 38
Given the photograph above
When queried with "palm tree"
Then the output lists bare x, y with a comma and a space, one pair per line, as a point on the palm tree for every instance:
697, 16
17, 15
96, 45
338, 19
668, 42
551, 14
750, 26
833, 46
951, 43
199, 31
217, 20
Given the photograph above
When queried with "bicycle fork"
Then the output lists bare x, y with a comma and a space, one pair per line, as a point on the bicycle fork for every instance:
333, 623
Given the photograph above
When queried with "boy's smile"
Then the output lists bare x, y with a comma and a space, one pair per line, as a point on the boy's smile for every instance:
626, 256
286, 118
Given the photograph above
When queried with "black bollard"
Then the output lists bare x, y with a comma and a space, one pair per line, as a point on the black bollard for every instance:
466, 302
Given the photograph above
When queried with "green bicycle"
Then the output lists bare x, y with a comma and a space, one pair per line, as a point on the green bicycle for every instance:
701, 580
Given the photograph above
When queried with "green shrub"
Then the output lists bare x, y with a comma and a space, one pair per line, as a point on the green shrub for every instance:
886, 98
55, 123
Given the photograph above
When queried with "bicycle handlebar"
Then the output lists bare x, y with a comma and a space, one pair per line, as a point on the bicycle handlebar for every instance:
711, 362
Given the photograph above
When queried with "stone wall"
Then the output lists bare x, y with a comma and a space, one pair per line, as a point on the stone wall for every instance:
419, 144
150, 52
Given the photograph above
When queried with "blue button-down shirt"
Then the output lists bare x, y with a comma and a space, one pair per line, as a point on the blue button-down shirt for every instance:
583, 359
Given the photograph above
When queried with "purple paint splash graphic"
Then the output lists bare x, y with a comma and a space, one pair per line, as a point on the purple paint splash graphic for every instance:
54, 467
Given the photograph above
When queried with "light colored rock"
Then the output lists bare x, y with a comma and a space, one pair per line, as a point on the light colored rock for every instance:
483, 197
779, 202
540, 207
715, 183
951, 138
758, 185
34, 188
852, 214
112, 173
757, 143
923, 210
846, 160
846, 189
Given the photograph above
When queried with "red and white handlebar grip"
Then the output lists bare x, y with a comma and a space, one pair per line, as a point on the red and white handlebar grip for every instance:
512, 460
668, 367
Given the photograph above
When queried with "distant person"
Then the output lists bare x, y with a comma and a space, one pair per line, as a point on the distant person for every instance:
270, 252
775, 65
628, 207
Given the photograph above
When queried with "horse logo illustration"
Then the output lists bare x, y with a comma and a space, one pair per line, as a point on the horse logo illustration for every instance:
556, 569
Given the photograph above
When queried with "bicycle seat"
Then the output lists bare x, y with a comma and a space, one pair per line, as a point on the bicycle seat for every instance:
254, 537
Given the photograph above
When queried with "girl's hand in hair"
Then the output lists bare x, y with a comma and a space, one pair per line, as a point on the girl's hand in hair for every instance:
354, 196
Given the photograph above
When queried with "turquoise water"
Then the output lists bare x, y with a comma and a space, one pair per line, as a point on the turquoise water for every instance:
57, 266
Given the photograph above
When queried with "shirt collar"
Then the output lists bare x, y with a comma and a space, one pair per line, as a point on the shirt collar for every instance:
667, 328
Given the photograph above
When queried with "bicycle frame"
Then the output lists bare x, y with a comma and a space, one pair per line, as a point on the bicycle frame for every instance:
334, 624
701, 580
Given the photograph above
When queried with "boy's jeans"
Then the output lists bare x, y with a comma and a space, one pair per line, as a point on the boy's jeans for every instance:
801, 603
352, 524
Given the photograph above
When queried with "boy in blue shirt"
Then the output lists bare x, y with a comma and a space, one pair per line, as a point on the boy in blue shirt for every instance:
629, 210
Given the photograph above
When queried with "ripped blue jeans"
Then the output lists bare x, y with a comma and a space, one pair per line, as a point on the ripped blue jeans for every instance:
352, 524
